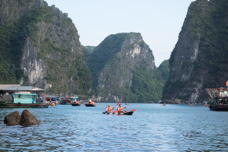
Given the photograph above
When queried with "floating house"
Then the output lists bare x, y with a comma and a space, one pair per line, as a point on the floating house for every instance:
17, 96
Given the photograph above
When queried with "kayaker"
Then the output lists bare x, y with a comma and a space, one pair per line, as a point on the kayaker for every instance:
120, 109
109, 109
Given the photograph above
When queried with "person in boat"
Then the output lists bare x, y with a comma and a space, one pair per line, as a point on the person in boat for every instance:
91, 102
52, 103
77, 102
120, 109
109, 109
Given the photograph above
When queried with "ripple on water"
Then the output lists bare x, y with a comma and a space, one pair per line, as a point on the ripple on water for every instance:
151, 128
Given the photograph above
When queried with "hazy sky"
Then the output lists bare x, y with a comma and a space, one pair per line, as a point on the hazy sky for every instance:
159, 21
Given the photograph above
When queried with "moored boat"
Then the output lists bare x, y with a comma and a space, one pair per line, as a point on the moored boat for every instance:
219, 107
219, 99
65, 101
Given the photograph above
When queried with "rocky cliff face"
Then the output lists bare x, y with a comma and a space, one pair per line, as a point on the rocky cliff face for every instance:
41, 47
163, 71
199, 59
13, 10
123, 69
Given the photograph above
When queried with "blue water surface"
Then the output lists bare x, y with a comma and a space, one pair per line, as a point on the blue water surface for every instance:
152, 128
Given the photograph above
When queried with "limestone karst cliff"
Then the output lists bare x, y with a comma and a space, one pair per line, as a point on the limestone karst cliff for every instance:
199, 60
40, 46
123, 69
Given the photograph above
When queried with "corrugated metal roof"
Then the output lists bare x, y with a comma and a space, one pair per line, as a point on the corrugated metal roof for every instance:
19, 88
3, 86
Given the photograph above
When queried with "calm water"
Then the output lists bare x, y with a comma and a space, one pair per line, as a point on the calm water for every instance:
170, 128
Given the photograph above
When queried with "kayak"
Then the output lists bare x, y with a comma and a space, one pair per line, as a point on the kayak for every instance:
124, 113
90, 105
128, 113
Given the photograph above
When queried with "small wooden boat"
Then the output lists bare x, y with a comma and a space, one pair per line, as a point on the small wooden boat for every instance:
219, 99
75, 104
219, 107
90, 105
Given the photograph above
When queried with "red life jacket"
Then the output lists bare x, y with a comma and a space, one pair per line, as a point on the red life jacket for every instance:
109, 109
120, 109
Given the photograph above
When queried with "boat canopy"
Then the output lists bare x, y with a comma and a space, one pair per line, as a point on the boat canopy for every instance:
217, 92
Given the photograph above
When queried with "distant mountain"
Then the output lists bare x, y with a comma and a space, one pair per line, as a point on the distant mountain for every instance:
163, 71
199, 60
123, 68
40, 46
89, 49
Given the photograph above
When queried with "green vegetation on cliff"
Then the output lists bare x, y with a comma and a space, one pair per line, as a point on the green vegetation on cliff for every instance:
199, 60
146, 86
13, 36
103, 53
42, 41
123, 69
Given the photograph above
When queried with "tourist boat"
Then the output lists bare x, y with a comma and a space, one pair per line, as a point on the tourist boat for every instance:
219, 99
123, 113
24, 100
65, 101
222, 107
75, 101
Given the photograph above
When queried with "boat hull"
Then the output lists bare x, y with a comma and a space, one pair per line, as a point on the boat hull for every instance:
219, 107
74, 104
24, 105
90, 105
128, 113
